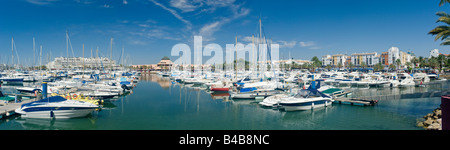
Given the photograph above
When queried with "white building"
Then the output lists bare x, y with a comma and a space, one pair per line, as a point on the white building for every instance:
434, 53
78, 62
393, 55
327, 60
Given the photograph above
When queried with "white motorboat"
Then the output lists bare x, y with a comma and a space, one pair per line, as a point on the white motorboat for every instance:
28, 89
56, 107
406, 80
306, 100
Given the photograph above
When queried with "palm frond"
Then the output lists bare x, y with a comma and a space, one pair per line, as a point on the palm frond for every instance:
442, 35
443, 2
438, 30
444, 19
441, 13
446, 42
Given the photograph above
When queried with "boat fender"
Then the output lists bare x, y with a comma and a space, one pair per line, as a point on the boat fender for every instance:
52, 115
35, 93
312, 105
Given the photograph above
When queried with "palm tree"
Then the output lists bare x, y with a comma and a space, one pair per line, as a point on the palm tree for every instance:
443, 31
414, 61
350, 65
398, 63
363, 65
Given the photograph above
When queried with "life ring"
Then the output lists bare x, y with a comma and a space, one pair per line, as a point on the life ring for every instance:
75, 96
68, 97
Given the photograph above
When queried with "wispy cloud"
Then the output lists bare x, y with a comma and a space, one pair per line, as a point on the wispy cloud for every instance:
186, 5
285, 44
309, 45
42, 2
208, 30
174, 13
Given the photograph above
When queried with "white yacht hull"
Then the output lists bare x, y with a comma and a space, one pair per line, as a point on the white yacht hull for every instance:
306, 105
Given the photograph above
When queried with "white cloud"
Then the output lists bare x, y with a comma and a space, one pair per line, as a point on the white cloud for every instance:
285, 44
307, 44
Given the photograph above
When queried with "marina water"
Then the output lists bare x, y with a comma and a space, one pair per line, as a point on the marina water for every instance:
159, 104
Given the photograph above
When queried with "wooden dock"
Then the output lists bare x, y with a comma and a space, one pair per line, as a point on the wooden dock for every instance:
8, 109
355, 101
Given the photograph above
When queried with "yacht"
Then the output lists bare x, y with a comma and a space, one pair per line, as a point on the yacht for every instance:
56, 107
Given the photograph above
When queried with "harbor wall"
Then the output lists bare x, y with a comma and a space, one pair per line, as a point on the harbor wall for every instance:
445, 110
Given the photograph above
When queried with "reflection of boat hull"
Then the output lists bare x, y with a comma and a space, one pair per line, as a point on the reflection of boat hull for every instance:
220, 89
253, 94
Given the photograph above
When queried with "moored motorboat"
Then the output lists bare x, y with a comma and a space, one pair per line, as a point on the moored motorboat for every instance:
306, 100
56, 107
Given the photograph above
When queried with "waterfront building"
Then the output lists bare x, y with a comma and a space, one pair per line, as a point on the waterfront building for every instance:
78, 62
339, 59
369, 59
393, 55
434, 53
326, 60
165, 64
384, 58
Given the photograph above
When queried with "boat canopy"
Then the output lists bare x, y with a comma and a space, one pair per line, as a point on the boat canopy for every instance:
310, 93
52, 99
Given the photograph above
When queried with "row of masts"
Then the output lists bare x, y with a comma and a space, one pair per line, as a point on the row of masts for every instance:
17, 63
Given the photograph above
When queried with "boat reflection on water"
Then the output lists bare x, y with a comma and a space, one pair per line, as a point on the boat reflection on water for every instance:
309, 117
225, 96
88, 122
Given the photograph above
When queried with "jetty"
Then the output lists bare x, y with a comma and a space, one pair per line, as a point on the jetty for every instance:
428, 94
355, 101
8, 109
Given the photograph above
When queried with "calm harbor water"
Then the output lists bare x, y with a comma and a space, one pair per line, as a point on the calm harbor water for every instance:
157, 104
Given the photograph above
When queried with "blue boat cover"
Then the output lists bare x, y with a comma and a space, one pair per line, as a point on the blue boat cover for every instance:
48, 99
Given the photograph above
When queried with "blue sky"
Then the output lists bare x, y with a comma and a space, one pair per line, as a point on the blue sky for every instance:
147, 29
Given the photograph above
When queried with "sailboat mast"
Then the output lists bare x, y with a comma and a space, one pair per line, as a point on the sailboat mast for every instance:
12, 50
122, 57
235, 60
34, 51
40, 57
67, 43
83, 58
110, 58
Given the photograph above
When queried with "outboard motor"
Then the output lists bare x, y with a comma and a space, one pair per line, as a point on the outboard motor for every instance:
125, 87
